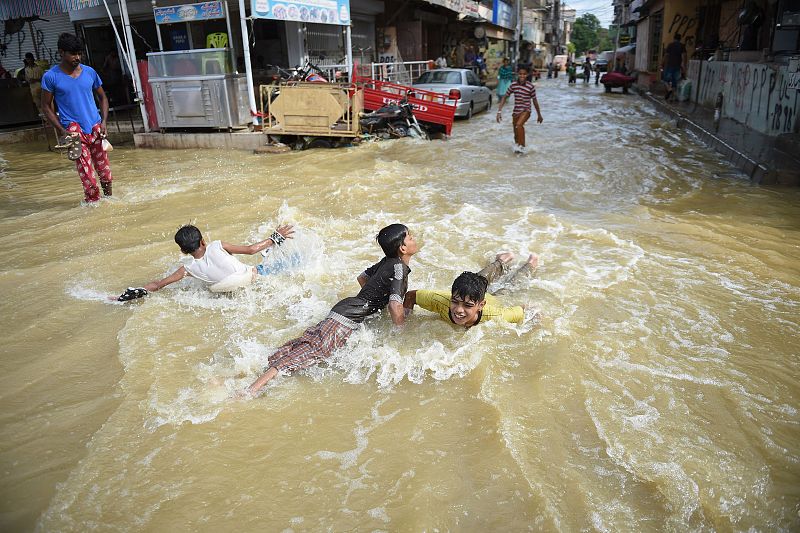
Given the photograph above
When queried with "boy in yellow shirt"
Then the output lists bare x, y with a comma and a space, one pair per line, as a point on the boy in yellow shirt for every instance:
467, 303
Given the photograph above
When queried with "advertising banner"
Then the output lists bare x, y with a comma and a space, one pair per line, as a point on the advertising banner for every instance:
503, 14
316, 11
189, 12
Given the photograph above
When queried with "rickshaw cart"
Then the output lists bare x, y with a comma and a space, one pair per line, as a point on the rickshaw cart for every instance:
310, 115
430, 108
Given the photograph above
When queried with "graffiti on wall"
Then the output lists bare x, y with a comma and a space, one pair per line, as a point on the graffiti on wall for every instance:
21, 36
756, 95
683, 24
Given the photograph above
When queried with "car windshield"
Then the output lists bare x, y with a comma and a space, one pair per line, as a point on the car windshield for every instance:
439, 76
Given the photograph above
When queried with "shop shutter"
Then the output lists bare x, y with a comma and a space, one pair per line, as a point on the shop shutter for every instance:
46, 35
325, 44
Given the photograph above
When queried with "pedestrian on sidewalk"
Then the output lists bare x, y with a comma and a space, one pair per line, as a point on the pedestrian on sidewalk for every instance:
673, 65
505, 75
32, 74
524, 93
72, 86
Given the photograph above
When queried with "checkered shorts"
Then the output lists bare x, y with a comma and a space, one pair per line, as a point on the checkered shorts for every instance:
314, 345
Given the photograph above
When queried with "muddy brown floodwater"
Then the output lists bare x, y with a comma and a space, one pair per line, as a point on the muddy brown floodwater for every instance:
658, 391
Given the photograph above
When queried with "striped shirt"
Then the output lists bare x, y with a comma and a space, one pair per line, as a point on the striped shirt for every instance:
523, 93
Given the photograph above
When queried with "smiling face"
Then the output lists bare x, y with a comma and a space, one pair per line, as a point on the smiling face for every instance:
464, 311
522, 75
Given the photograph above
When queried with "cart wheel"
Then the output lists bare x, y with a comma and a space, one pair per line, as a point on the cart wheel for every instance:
319, 143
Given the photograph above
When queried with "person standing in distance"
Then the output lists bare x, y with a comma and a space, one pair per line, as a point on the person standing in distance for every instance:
524, 93
674, 64
72, 86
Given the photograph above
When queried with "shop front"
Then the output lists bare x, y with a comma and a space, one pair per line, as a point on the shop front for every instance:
196, 87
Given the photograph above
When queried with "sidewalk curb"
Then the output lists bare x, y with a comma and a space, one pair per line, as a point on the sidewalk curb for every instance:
758, 156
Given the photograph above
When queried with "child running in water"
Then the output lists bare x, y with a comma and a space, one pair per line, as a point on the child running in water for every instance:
213, 263
524, 93
384, 283
467, 303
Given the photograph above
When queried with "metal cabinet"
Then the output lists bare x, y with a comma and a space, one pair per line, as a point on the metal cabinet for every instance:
196, 89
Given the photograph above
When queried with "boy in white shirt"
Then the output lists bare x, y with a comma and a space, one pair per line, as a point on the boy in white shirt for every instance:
213, 263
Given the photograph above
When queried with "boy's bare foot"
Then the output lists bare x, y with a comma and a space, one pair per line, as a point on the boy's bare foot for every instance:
533, 260
505, 257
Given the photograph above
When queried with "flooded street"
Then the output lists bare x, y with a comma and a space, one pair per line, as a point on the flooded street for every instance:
658, 390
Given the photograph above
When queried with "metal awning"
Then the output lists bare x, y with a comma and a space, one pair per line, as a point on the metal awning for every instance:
627, 49
12, 9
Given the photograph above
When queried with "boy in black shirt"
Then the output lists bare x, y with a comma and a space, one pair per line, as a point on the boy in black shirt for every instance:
384, 283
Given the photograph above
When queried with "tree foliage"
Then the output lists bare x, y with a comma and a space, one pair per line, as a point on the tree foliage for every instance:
585, 33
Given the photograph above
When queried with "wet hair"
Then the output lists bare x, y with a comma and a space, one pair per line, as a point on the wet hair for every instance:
391, 239
470, 285
69, 43
28, 55
677, 36
188, 238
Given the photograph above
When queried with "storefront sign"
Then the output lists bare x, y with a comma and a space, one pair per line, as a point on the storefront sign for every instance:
317, 11
189, 12
463, 7
503, 14
470, 7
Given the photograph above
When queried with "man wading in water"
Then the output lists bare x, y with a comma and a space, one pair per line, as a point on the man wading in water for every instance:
72, 86
524, 93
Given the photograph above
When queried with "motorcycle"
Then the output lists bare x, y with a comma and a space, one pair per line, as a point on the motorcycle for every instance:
394, 120
308, 72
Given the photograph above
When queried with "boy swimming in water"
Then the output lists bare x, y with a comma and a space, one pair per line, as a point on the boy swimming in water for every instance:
467, 303
213, 263
384, 283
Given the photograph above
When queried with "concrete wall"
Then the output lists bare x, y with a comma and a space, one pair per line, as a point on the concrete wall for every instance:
680, 16
754, 94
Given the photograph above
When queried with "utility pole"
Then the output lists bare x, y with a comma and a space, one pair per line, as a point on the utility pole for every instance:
557, 26
517, 33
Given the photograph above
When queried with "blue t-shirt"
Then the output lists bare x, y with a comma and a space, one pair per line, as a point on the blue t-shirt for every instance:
74, 96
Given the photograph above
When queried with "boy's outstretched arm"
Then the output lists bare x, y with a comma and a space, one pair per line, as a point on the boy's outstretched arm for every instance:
286, 231
172, 278
397, 312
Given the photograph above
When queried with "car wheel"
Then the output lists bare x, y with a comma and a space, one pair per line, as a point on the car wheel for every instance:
469, 113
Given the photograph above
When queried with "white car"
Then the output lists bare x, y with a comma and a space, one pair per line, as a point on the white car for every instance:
462, 87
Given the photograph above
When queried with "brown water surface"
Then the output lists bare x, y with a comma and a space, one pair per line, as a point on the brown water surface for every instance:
659, 390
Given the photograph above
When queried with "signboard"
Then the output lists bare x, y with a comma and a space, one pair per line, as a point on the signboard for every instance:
189, 12
317, 11
179, 38
503, 14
